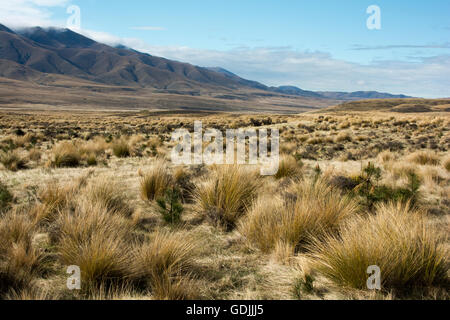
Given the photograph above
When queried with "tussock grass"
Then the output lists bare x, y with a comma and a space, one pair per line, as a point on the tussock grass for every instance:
317, 209
5, 197
164, 263
225, 196
446, 164
121, 148
97, 241
398, 240
155, 182
53, 198
424, 158
65, 154
20, 261
289, 167
13, 161
110, 194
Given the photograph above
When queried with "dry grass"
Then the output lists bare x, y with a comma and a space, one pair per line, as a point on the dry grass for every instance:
20, 261
164, 262
398, 240
65, 154
13, 161
289, 167
316, 210
96, 240
155, 181
225, 196
425, 158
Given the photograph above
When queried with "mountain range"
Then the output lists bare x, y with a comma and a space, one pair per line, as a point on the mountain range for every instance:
43, 56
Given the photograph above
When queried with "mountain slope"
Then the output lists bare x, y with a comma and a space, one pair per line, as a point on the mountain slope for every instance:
68, 53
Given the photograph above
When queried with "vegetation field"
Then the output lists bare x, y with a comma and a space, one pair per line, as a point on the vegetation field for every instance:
98, 190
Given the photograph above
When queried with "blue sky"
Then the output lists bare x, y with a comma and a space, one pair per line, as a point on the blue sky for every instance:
316, 45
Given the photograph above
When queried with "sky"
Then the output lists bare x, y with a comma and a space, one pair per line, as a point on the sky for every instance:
323, 45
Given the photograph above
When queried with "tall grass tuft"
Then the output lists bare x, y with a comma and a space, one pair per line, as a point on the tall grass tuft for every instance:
97, 241
163, 263
425, 158
313, 209
289, 167
121, 148
20, 261
225, 196
397, 240
155, 182
65, 154
110, 194
12, 161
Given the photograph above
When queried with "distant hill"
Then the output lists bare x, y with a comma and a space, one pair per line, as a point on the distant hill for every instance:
394, 105
55, 58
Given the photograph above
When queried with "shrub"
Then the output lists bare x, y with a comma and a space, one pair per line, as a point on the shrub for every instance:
170, 206
424, 158
65, 154
35, 155
156, 181
225, 196
344, 137
397, 240
162, 262
121, 148
313, 209
12, 161
289, 167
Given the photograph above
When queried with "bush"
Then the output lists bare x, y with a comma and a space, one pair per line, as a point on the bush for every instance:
12, 161
65, 155
397, 240
225, 196
170, 206
155, 182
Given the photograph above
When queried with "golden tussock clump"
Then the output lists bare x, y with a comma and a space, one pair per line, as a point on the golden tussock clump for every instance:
155, 181
289, 167
65, 154
314, 209
164, 262
408, 251
424, 158
20, 261
226, 194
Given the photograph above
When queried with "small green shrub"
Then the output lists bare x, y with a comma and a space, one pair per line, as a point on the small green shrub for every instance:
170, 206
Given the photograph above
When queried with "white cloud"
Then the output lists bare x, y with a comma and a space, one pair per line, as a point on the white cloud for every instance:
28, 13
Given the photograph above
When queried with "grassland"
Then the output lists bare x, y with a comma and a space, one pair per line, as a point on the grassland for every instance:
98, 190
